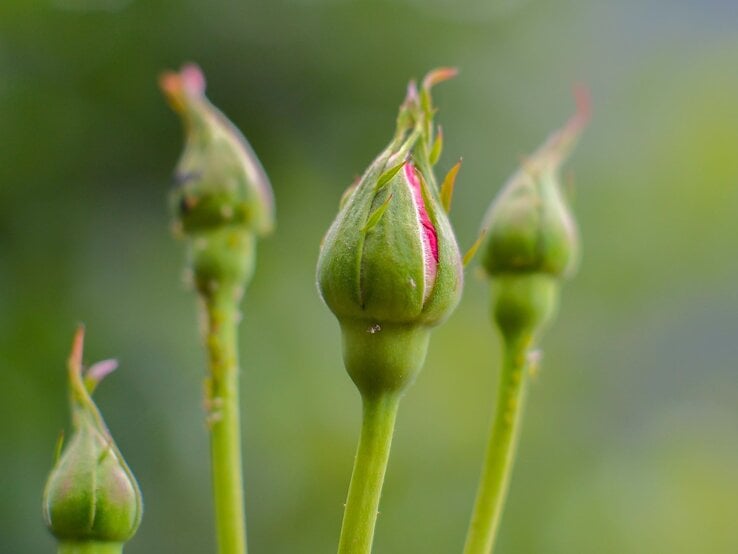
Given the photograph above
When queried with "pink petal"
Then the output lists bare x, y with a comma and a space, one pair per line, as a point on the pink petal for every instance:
429, 237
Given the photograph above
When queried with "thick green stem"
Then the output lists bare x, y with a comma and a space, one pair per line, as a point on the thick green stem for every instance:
501, 450
89, 547
360, 516
224, 421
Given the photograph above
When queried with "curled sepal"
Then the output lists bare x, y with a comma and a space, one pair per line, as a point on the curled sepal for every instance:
529, 227
219, 181
447, 186
91, 496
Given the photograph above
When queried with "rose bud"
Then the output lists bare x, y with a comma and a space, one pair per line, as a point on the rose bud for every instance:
92, 502
222, 198
531, 242
389, 267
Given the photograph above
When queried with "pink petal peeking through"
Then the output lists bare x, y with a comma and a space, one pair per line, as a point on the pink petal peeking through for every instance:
429, 236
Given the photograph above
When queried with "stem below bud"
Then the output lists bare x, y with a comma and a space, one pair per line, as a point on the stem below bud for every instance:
360, 517
501, 449
89, 547
224, 420
522, 305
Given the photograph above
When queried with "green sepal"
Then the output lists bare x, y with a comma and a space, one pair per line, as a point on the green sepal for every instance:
447, 186
387, 176
377, 214
435, 153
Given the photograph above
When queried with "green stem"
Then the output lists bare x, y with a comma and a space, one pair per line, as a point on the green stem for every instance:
501, 450
89, 547
360, 516
224, 420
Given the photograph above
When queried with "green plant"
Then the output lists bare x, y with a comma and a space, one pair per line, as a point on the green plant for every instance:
389, 269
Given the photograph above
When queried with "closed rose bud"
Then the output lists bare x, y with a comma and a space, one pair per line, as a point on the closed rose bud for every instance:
219, 180
91, 496
529, 227
531, 242
389, 267
222, 198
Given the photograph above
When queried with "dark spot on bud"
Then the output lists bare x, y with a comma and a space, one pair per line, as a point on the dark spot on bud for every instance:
180, 179
186, 204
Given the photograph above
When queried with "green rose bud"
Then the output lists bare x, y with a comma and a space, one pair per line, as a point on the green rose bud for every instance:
92, 501
530, 237
529, 227
222, 198
219, 180
389, 267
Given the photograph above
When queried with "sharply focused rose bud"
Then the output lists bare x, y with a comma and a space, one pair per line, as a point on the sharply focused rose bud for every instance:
222, 198
389, 266
91, 496
531, 241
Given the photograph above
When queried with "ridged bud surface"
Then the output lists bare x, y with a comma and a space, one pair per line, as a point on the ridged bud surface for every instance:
91, 494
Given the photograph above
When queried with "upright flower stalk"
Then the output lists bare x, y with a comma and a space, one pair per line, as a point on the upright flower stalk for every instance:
389, 269
530, 247
222, 202
92, 503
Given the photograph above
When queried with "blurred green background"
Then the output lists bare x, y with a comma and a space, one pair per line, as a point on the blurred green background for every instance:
631, 435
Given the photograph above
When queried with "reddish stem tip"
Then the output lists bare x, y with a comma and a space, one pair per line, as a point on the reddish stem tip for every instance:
178, 86
439, 75
583, 100
75, 357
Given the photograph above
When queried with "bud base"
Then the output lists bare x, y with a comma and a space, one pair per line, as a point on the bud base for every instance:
383, 358
90, 547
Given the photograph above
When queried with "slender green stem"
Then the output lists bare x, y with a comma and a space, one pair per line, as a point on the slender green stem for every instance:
224, 421
360, 516
89, 547
501, 450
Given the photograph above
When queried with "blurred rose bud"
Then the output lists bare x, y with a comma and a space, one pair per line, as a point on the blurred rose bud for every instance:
529, 227
91, 495
222, 198
219, 180
530, 237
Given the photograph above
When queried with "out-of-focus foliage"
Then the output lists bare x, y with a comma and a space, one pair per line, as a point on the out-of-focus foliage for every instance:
630, 442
